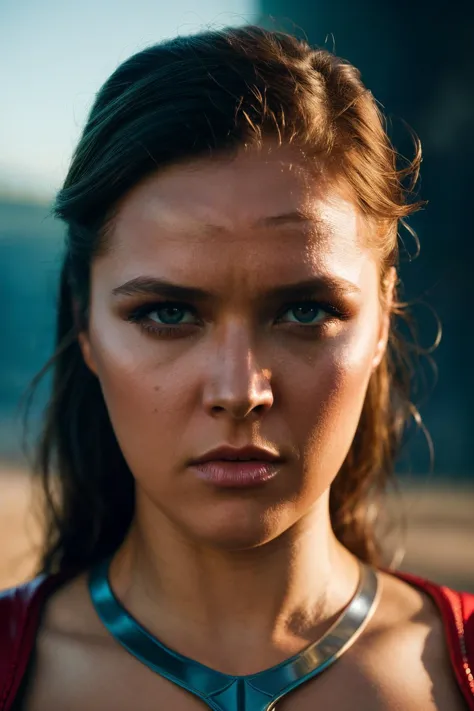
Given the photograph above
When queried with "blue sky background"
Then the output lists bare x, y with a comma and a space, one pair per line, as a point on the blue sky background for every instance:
54, 56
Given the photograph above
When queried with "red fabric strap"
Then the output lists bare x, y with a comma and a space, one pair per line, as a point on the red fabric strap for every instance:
20, 611
457, 611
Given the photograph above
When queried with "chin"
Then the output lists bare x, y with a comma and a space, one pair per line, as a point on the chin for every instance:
238, 525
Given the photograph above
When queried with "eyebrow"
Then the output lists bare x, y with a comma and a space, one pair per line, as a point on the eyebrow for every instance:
153, 286
298, 217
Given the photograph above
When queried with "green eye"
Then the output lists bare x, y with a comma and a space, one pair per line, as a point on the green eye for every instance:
169, 315
308, 313
166, 319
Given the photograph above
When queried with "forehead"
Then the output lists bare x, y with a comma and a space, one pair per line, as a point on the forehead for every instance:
259, 211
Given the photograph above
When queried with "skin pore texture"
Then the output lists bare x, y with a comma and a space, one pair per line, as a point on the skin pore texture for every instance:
238, 579
239, 371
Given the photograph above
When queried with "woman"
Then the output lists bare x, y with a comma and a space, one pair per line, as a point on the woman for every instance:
229, 395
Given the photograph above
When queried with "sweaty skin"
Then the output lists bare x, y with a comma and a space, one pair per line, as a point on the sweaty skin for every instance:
238, 579
240, 370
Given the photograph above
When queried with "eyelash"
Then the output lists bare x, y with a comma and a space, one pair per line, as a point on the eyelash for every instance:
140, 314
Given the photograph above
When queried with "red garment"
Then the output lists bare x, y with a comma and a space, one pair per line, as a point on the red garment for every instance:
20, 610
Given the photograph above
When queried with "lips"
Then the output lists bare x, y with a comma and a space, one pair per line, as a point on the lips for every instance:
248, 453
231, 467
236, 474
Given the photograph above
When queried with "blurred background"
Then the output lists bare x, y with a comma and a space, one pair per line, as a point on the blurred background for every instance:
418, 62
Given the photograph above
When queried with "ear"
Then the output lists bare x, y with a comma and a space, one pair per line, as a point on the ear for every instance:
86, 350
83, 339
386, 309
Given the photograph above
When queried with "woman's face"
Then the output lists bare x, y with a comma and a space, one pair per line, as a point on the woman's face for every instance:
243, 361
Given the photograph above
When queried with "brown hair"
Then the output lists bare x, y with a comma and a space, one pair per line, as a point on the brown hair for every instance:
208, 94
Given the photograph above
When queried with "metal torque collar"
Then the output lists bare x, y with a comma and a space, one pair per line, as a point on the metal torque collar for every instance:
224, 692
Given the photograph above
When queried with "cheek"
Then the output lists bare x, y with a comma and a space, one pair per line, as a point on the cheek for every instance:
326, 402
148, 400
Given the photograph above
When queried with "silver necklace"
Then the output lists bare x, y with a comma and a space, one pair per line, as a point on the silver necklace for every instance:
224, 692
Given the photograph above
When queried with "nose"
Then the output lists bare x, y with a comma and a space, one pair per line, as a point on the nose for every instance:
236, 384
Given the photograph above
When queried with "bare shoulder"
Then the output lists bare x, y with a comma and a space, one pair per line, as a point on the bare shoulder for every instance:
400, 661
67, 634
70, 613
407, 644
78, 665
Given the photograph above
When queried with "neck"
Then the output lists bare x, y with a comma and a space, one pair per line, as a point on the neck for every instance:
258, 606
